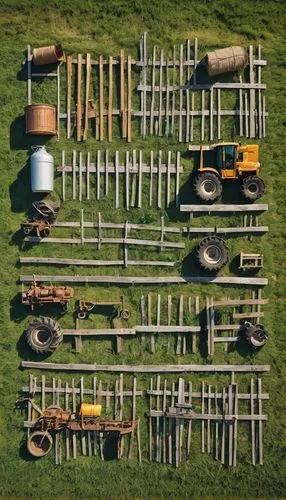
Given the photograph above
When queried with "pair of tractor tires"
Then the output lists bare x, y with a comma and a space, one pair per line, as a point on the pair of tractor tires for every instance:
44, 335
208, 187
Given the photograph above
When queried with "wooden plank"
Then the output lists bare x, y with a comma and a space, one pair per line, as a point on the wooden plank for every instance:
216, 426
160, 93
235, 425
164, 454
106, 166
230, 427
139, 442
203, 115
73, 433
81, 262
99, 233
223, 427
29, 75
150, 422
188, 52
133, 414
87, 86
168, 186
58, 100
63, 176
98, 174
203, 423
263, 116
151, 178
260, 434
144, 72
116, 179
140, 180
260, 130
257, 207
159, 193
69, 90
181, 94
133, 188
153, 92
101, 100
157, 427
127, 180
167, 110
122, 95
79, 109
246, 114
80, 177
87, 176
131, 241
192, 116
147, 368
209, 401
253, 434
195, 60
74, 154
173, 93
129, 98
251, 95
110, 96
218, 115
177, 187
211, 115
148, 280
82, 227
240, 109
189, 436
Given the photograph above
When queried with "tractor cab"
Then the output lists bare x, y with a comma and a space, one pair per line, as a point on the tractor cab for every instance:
226, 157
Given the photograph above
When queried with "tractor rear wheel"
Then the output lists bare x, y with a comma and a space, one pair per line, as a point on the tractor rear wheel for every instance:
252, 187
44, 335
207, 186
39, 443
212, 253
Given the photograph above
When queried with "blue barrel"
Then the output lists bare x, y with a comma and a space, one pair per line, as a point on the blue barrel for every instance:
42, 170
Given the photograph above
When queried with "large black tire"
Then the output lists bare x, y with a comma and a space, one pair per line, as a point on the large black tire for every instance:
207, 186
44, 335
212, 253
256, 335
253, 187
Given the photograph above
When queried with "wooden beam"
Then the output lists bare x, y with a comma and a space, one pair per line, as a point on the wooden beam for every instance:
146, 368
148, 280
79, 110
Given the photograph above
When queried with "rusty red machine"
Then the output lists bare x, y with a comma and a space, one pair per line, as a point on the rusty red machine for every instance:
47, 294
54, 419
43, 215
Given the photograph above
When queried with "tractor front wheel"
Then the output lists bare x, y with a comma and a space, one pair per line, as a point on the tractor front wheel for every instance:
44, 335
212, 253
252, 187
207, 186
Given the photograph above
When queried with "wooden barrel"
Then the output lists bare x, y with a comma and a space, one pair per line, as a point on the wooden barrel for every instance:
41, 119
226, 60
48, 55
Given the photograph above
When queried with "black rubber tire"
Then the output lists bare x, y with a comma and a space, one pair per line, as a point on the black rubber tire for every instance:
44, 335
253, 187
256, 335
212, 253
207, 186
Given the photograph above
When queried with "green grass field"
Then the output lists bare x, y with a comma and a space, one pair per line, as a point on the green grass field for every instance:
103, 28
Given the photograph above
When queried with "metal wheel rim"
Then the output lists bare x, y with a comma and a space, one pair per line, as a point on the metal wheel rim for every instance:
208, 187
42, 336
253, 188
212, 254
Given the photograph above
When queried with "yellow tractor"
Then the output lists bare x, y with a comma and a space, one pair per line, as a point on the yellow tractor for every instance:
228, 160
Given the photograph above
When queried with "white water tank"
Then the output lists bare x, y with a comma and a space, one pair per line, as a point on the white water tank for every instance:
42, 170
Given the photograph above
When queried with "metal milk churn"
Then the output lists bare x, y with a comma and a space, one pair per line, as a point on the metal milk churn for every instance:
42, 170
